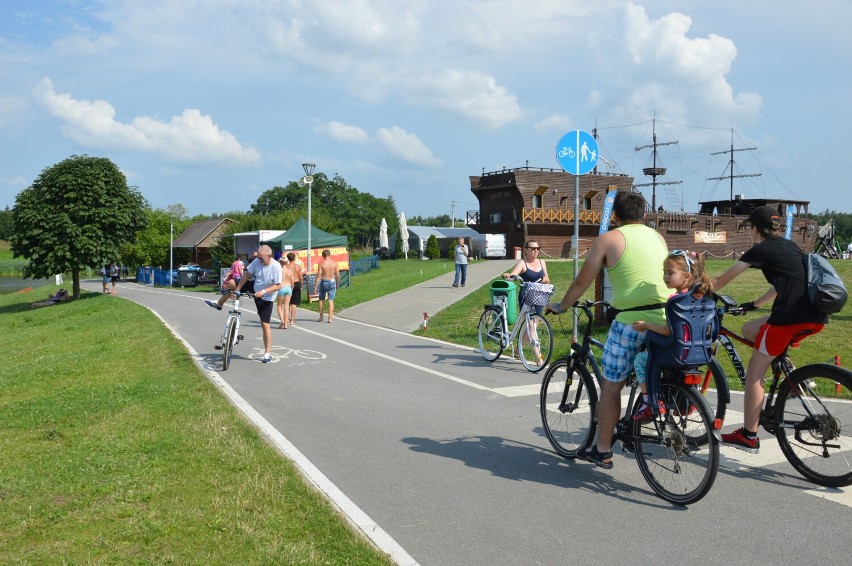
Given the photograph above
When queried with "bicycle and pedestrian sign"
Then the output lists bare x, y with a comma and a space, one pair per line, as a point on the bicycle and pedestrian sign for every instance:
577, 152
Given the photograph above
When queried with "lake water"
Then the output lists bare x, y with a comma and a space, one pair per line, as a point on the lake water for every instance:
12, 284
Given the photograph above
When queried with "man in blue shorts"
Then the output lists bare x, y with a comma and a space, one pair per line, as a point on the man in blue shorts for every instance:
633, 253
328, 279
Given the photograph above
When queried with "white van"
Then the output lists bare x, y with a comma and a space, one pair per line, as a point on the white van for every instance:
488, 246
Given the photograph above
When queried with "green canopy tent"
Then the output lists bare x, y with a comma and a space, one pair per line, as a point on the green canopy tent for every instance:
296, 238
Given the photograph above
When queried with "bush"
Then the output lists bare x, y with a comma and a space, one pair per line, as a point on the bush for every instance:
432, 249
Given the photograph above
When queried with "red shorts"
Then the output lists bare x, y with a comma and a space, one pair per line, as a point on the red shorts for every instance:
772, 340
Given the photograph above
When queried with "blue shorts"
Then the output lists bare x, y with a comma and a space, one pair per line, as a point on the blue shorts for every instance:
622, 345
328, 288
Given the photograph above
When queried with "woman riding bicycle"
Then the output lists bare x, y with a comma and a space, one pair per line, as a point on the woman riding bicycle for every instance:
530, 269
792, 316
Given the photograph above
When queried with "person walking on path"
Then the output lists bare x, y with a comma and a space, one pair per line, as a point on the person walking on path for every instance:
114, 276
296, 297
105, 277
285, 293
265, 273
461, 253
634, 254
328, 279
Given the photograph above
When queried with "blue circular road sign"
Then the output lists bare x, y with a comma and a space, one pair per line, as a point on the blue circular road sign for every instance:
577, 152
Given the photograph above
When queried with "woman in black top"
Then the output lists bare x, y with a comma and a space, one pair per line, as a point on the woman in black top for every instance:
783, 266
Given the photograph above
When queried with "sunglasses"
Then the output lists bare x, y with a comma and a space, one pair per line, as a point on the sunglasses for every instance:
685, 255
533, 249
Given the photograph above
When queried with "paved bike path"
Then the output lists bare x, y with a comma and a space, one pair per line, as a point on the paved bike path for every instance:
403, 310
445, 454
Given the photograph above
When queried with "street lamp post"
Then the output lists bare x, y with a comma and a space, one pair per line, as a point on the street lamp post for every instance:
309, 180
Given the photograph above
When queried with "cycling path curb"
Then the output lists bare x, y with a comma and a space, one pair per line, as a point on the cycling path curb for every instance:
404, 309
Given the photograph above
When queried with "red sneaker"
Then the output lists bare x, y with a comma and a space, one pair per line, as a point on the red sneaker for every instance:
738, 439
645, 413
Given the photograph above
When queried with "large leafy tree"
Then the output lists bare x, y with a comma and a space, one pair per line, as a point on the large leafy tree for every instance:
77, 213
6, 227
354, 214
152, 242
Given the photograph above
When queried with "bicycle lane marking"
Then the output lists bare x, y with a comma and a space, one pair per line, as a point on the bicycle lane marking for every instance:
398, 360
354, 514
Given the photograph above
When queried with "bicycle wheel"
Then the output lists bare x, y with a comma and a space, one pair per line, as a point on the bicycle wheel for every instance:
567, 403
228, 346
535, 343
677, 469
814, 415
491, 340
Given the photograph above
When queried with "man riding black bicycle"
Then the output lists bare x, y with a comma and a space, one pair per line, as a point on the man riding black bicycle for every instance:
634, 254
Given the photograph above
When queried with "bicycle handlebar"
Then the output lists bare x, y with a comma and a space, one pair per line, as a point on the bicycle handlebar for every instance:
730, 306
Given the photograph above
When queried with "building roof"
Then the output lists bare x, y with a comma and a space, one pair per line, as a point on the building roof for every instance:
198, 232
423, 232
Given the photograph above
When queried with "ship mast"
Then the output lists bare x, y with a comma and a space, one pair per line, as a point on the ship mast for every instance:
655, 171
731, 175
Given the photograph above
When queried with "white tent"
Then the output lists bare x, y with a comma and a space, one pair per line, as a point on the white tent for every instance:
403, 234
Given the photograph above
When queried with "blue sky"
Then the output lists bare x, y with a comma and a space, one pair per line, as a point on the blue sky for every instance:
208, 104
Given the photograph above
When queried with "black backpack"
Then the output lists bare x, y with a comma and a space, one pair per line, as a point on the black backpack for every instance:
825, 288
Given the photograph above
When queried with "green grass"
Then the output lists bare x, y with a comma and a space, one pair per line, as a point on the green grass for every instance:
9, 266
116, 449
458, 323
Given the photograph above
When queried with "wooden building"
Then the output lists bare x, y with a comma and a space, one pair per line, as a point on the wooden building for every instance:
526, 203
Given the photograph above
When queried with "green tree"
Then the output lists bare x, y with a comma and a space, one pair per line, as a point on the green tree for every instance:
352, 213
151, 246
6, 225
432, 249
77, 213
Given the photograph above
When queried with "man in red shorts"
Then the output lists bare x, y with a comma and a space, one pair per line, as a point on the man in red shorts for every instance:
783, 266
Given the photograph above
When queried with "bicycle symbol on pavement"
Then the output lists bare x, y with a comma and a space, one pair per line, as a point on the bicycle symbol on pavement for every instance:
279, 353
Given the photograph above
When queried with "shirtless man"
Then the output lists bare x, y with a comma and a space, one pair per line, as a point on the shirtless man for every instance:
328, 278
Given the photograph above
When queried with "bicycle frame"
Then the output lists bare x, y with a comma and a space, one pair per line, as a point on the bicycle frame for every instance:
781, 366
234, 313
504, 322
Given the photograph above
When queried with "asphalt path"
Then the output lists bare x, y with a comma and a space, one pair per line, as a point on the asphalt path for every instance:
440, 456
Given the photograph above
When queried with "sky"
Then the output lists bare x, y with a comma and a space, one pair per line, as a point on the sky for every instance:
210, 103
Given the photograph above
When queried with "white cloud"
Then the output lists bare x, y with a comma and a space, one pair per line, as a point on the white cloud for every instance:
406, 146
689, 67
342, 132
18, 181
188, 138
470, 94
560, 122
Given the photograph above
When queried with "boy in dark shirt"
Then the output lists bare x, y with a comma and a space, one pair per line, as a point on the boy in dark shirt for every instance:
783, 266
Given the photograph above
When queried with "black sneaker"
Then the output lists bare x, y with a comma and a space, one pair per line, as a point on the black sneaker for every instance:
739, 440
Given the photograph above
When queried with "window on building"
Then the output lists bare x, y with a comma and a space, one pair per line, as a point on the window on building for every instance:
537, 201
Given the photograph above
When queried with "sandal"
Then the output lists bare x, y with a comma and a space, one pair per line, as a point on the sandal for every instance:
596, 458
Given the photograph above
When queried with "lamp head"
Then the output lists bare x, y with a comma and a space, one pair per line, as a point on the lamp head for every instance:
309, 168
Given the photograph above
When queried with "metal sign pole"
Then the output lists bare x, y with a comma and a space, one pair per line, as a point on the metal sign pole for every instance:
576, 245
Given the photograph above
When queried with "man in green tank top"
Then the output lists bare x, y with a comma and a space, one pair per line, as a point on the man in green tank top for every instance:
634, 255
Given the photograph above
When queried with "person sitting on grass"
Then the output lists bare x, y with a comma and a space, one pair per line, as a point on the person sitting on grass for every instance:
682, 270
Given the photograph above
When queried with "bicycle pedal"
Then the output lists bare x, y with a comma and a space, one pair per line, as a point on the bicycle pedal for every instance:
240, 337
219, 347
